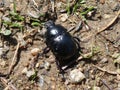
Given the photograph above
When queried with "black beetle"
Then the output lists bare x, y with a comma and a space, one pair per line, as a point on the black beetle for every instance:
60, 42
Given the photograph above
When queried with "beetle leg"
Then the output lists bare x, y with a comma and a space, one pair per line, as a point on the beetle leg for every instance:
61, 71
45, 51
59, 66
77, 40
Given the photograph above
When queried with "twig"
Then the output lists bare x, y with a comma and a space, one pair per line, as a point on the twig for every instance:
13, 60
109, 24
107, 71
105, 83
104, 28
16, 51
7, 84
110, 41
53, 5
35, 3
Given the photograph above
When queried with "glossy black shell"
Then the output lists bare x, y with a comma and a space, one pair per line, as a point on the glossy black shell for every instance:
60, 41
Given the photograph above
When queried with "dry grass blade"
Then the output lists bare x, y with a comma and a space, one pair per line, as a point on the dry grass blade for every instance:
35, 3
9, 86
105, 83
107, 71
13, 60
109, 24
104, 28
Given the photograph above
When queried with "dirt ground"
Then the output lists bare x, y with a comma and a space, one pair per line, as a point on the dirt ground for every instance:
99, 36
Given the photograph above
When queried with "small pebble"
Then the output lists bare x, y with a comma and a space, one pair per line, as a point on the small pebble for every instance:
30, 73
106, 16
47, 65
35, 51
37, 65
24, 71
3, 63
66, 82
53, 87
90, 14
41, 81
96, 88
59, 4
76, 76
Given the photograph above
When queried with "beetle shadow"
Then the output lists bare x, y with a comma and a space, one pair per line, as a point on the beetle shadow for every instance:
11, 40
73, 62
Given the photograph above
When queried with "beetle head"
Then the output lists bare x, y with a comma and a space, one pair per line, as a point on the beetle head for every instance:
49, 24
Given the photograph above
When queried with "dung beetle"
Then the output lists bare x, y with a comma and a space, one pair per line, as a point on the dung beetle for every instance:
60, 42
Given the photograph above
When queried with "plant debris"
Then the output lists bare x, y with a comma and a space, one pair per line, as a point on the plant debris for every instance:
26, 63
